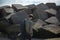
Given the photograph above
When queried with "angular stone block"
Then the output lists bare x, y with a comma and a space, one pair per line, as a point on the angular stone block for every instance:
53, 39
32, 6
38, 13
51, 5
51, 11
53, 20
52, 28
19, 17
38, 24
18, 7
42, 6
7, 11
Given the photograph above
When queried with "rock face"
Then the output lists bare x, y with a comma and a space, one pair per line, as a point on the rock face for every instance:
38, 24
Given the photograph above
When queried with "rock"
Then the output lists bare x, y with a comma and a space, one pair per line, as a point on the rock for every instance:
7, 11
42, 6
52, 28
53, 20
53, 39
15, 28
18, 7
38, 24
51, 5
19, 17
40, 13
51, 11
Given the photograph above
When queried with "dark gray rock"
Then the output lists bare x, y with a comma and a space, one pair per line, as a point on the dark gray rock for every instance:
19, 17
51, 5
40, 13
42, 6
1, 38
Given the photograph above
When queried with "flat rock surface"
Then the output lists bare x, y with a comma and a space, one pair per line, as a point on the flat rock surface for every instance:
52, 28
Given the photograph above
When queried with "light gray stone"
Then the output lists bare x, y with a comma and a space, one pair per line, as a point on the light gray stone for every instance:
38, 24
18, 7
51, 11
52, 28
53, 20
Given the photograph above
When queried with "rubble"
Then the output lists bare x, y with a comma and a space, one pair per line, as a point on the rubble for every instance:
45, 21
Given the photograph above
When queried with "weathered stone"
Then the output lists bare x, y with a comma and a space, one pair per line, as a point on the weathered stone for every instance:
38, 13
52, 28
51, 11
18, 7
58, 15
42, 6
19, 17
7, 11
51, 5
38, 24
53, 20
53, 39
8, 16
32, 6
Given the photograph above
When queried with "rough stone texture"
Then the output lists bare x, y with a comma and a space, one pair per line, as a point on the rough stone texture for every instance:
51, 5
53, 20
7, 11
52, 28
19, 17
42, 6
53, 39
32, 6
18, 7
58, 15
38, 24
1, 38
51, 11
40, 13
